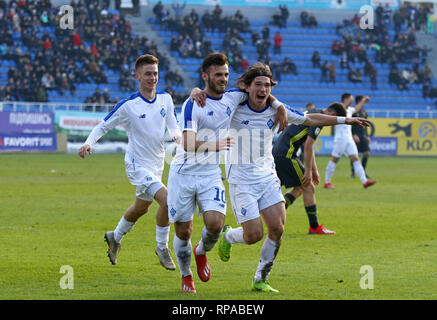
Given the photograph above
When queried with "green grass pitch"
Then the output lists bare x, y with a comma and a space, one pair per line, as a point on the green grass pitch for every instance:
55, 210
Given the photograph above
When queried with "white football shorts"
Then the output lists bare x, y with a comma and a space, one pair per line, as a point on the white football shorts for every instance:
249, 199
146, 181
185, 190
344, 147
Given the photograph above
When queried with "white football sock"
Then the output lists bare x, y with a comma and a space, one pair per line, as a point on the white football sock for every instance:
359, 170
122, 228
235, 236
207, 242
182, 249
162, 235
268, 254
330, 168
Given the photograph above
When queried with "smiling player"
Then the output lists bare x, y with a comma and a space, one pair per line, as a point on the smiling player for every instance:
145, 115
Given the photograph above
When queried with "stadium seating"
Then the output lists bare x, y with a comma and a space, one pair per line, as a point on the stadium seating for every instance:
299, 44
83, 90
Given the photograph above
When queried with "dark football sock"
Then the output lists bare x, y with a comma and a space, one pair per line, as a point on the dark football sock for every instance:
312, 216
289, 199
364, 162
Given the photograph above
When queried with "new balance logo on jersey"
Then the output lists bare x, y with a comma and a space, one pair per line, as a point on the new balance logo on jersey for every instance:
246, 122
270, 123
143, 116
210, 113
163, 112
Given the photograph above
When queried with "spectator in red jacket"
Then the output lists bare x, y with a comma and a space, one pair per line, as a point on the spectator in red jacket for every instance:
76, 40
277, 39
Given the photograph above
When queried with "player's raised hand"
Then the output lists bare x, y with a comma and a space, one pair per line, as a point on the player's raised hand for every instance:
84, 150
358, 121
225, 144
199, 96
281, 118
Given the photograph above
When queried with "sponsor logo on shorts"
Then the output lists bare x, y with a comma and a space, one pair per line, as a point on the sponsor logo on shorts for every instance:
243, 211
172, 212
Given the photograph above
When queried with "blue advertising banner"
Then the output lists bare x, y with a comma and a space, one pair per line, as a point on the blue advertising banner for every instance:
27, 122
378, 145
384, 146
28, 142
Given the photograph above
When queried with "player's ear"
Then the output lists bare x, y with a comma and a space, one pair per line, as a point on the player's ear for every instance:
204, 76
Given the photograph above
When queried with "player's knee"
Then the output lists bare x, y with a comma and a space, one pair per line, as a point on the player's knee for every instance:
275, 232
253, 236
215, 228
184, 232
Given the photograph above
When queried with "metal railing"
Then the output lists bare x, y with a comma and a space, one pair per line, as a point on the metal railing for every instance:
98, 107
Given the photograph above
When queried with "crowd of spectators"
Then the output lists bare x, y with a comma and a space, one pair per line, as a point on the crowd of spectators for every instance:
49, 58
191, 41
401, 49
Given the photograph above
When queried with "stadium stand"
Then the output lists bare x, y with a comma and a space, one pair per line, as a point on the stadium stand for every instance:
366, 52
40, 62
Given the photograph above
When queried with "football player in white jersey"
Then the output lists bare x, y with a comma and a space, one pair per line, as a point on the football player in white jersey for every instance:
195, 175
144, 115
345, 144
254, 186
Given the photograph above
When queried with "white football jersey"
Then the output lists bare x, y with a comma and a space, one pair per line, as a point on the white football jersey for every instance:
210, 123
145, 122
250, 160
344, 131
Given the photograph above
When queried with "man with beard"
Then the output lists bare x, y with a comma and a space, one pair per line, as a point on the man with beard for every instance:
195, 175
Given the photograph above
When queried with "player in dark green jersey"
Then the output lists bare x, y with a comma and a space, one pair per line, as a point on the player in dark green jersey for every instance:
293, 174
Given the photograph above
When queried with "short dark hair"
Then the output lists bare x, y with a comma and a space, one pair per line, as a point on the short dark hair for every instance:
345, 96
338, 108
358, 99
145, 59
257, 70
218, 59
309, 104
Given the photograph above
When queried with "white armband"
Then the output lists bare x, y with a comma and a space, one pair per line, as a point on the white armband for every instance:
276, 104
341, 120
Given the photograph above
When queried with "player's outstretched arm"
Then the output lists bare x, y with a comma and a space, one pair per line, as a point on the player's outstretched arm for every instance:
318, 119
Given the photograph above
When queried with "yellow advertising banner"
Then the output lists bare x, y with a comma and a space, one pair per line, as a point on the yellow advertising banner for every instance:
416, 137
